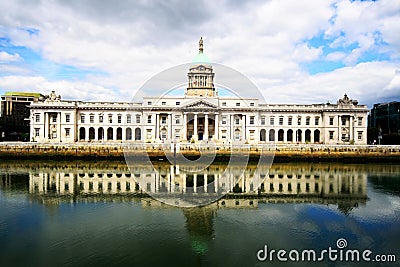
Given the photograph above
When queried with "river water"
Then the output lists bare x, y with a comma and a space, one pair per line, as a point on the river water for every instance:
96, 214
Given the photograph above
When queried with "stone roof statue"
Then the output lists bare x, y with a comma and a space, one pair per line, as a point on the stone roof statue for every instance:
52, 97
347, 101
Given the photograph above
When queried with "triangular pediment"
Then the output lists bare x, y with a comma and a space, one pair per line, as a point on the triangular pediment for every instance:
200, 104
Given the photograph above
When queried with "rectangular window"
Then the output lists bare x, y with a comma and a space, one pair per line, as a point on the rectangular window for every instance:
128, 119
163, 120
110, 118
344, 137
37, 117
91, 118
67, 118
101, 118
343, 122
331, 135
280, 120
271, 121
223, 119
177, 119
331, 120
252, 120
178, 103
137, 118
290, 120
37, 132
177, 133
163, 103
223, 135
263, 120
119, 118
54, 118
149, 119
251, 134
299, 121
82, 118
67, 131
252, 104
360, 121
308, 121
360, 135
224, 104
237, 121
316, 120
148, 134
149, 103
238, 104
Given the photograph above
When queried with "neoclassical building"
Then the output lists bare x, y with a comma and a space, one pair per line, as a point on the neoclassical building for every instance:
200, 114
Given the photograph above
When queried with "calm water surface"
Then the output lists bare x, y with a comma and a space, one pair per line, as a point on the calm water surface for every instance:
92, 214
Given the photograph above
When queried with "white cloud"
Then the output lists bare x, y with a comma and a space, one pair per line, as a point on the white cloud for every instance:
267, 41
6, 57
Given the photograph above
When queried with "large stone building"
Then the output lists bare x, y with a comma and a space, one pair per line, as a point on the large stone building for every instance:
200, 114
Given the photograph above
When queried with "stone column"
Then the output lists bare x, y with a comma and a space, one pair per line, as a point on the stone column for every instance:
170, 126
244, 127
231, 126
216, 127
157, 134
46, 126
205, 135
339, 132
185, 126
96, 133
195, 136
123, 136
351, 128
59, 125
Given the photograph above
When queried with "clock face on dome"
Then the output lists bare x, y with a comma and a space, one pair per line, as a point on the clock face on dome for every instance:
201, 68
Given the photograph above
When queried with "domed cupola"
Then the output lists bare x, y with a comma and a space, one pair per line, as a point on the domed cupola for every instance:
201, 76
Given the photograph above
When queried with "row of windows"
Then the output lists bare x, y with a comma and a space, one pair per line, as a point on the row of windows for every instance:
224, 119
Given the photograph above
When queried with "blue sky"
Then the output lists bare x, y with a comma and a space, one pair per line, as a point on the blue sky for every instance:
294, 52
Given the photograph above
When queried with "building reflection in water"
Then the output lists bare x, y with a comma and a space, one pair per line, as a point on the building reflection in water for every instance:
344, 186
282, 183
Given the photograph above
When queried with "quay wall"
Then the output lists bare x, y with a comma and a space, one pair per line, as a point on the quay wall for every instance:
281, 152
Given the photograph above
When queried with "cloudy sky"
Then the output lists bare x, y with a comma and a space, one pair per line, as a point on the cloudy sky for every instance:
294, 51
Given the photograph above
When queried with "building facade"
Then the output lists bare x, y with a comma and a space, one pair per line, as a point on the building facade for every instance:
384, 123
200, 114
14, 116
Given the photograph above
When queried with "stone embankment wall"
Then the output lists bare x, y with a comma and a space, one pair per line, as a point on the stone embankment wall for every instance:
294, 152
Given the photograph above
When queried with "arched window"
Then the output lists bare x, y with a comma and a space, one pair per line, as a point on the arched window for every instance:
237, 134
82, 133
298, 135
316, 136
281, 133
138, 134
308, 135
119, 133
290, 135
110, 134
263, 135
91, 133
272, 135
100, 133
128, 133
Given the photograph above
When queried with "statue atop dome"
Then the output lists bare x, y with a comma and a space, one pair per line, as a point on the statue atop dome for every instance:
201, 45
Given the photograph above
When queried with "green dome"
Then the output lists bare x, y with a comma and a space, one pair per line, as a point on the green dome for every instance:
201, 58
